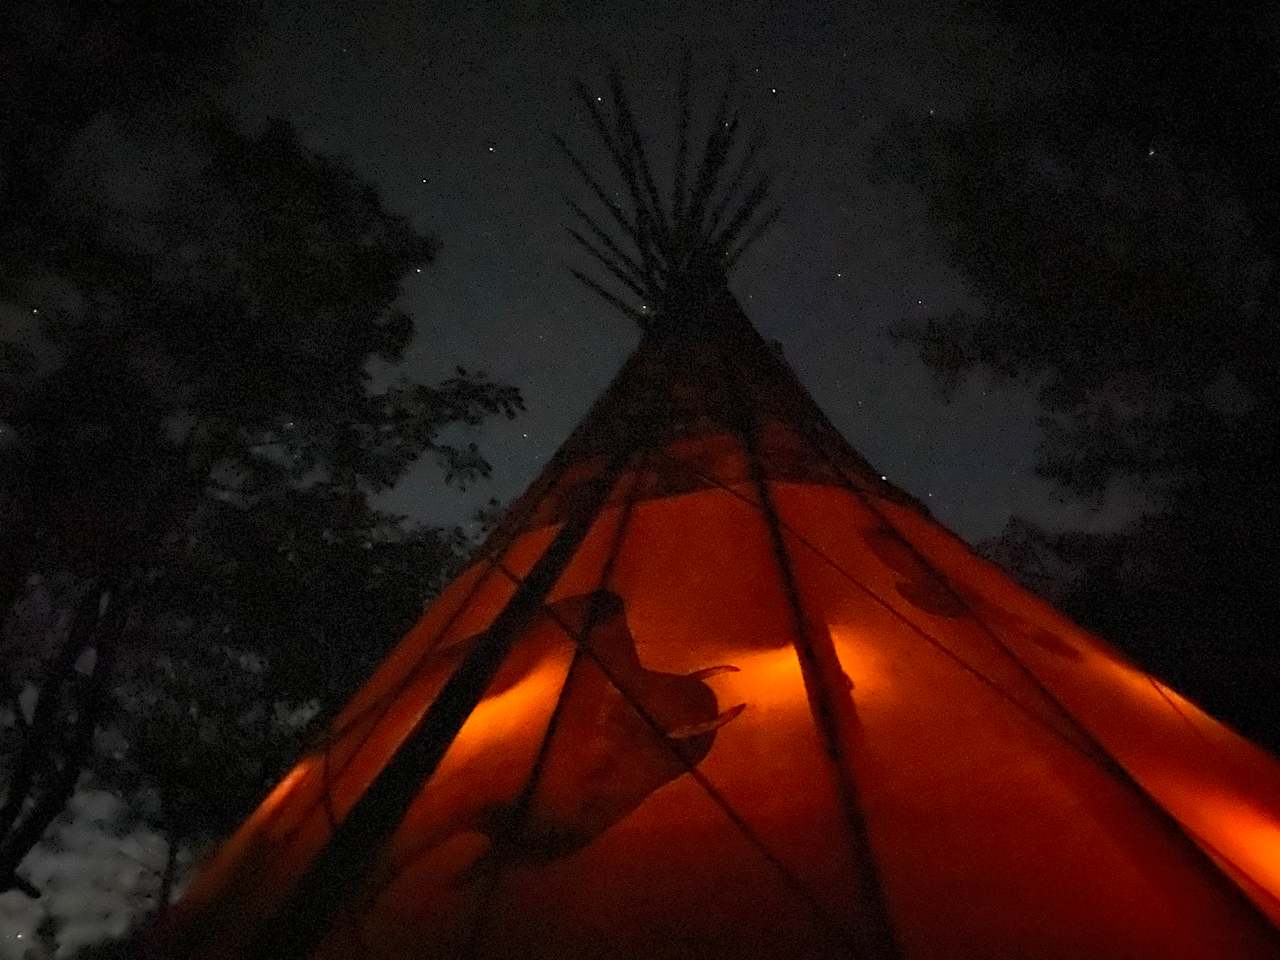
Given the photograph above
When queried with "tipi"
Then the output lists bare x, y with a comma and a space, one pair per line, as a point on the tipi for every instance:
714, 689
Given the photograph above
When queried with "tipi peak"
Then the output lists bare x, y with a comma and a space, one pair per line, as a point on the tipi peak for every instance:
715, 689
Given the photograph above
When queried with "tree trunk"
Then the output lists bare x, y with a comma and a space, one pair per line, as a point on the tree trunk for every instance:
41, 786
170, 874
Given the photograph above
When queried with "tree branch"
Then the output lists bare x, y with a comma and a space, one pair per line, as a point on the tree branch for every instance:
20, 839
37, 741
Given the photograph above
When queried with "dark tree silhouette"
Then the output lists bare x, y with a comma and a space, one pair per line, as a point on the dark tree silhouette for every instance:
190, 430
1116, 213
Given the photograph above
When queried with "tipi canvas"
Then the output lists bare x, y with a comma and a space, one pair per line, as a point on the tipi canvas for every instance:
715, 689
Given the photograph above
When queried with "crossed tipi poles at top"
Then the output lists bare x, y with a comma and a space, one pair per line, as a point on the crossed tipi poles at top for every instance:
674, 259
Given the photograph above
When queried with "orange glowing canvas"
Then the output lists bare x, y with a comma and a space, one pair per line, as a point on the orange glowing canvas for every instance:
716, 690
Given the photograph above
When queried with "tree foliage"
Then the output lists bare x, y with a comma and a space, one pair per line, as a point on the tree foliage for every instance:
1116, 215
191, 429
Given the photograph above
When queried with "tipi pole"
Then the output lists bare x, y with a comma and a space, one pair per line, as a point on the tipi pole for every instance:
300, 924
873, 933
1185, 839
580, 638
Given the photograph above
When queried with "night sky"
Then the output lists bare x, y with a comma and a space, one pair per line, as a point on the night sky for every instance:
448, 113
